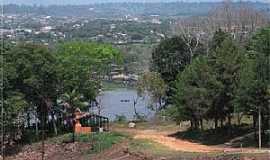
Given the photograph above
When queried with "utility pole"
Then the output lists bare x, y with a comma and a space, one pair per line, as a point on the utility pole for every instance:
260, 135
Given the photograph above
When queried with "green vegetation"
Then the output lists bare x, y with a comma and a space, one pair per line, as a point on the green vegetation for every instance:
47, 82
212, 136
121, 119
230, 80
149, 146
137, 57
170, 58
151, 84
29, 83
80, 67
99, 141
220, 89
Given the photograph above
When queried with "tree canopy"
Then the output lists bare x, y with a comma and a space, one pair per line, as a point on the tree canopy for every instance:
170, 58
80, 62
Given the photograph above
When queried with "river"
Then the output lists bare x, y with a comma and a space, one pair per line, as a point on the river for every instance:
120, 102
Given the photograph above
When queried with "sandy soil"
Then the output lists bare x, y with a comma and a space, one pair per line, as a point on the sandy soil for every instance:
183, 145
77, 151
65, 151
121, 152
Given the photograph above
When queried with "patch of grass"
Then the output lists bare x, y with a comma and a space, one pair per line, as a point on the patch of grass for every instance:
148, 146
212, 136
159, 150
101, 141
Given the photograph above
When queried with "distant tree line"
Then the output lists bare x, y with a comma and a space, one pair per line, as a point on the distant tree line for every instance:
113, 10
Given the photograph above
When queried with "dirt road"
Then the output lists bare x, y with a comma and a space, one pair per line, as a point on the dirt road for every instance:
183, 145
173, 143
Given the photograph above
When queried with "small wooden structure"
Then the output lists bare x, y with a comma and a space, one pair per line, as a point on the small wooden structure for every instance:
87, 122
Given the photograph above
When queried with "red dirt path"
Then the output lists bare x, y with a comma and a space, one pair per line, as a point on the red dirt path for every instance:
184, 145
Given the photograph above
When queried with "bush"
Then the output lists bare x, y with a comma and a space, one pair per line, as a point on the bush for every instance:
120, 118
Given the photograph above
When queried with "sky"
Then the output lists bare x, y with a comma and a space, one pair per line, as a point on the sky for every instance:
79, 2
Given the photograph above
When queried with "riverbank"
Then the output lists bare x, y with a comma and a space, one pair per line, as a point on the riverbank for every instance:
112, 85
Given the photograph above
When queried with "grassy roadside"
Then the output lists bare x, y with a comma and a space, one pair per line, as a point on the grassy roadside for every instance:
159, 151
98, 141
90, 145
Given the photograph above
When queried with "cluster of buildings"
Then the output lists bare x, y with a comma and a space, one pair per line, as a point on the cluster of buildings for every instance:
30, 27
46, 29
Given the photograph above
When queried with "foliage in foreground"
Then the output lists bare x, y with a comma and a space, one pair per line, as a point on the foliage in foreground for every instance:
37, 78
230, 80
100, 141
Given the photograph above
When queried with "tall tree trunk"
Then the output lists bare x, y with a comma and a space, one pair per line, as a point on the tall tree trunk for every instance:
28, 119
36, 124
216, 123
201, 121
73, 124
254, 125
160, 102
43, 123
229, 120
229, 125
239, 118
221, 123
196, 124
260, 134
134, 107
54, 124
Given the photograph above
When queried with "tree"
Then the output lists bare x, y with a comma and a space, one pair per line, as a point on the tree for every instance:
196, 89
226, 61
33, 74
14, 103
206, 88
218, 39
238, 18
189, 32
77, 63
170, 58
253, 92
151, 84
260, 51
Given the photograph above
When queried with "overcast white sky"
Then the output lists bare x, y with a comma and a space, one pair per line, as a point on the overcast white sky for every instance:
49, 2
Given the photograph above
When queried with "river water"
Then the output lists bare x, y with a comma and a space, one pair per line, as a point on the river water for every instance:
120, 102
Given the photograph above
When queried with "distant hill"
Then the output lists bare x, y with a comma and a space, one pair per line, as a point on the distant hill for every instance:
107, 10
80, 2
